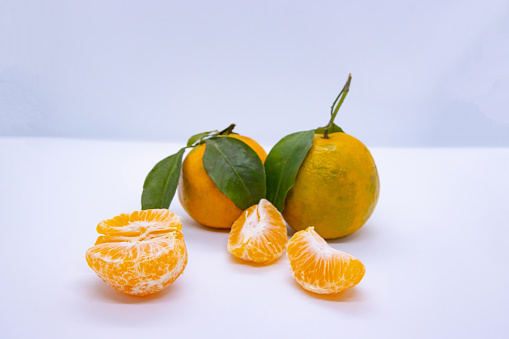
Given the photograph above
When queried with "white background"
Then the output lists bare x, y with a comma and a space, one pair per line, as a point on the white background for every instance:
425, 73
435, 252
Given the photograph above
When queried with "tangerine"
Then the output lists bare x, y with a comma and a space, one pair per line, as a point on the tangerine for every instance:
198, 194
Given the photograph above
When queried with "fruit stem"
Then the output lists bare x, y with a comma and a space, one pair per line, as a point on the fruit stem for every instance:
227, 130
335, 108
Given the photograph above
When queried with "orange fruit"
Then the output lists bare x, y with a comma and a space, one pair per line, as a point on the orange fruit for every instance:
259, 234
336, 188
318, 267
139, 253
198, 194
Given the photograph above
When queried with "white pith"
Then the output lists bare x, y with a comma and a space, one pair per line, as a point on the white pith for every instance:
146, 285
164, 221
159, 284
252, 229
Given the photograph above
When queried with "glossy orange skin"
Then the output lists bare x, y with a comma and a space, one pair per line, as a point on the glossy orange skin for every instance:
336, 189
200, 197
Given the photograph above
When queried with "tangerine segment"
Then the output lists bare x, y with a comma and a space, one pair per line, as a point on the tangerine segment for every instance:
140, 222
259, 234
319, 268
145, 257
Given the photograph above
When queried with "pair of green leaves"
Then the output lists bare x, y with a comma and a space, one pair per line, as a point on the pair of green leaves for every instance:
233, 166
284, 161
235, 169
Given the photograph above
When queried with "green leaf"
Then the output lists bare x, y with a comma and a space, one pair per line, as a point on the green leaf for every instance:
161, 183
283, 163
335, 128
197, 137
236, 170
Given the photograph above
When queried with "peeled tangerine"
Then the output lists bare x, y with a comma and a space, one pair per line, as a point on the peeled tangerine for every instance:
139, 253
259, 234
318, 267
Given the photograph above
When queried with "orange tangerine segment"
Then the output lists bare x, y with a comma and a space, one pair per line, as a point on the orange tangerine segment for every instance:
144, 258
140, 222
319, 268
259, 234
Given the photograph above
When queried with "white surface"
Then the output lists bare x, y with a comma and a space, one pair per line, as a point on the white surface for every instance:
425, 73
435, 252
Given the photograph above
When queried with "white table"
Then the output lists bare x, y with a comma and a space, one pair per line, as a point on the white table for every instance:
435, 250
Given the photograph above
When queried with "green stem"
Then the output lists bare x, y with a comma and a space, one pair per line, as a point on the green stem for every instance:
335, 108
227, 130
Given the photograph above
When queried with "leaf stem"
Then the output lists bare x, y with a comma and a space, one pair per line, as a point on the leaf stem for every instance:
335, 107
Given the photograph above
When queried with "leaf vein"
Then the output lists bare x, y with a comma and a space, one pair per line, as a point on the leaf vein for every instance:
236, 173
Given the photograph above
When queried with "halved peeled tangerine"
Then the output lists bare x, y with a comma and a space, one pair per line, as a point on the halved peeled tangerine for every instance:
320, 268
139, 253
259, 234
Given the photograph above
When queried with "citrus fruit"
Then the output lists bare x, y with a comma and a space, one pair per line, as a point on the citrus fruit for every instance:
319, 268
198, 194
259, 234
139, 253
336, 188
